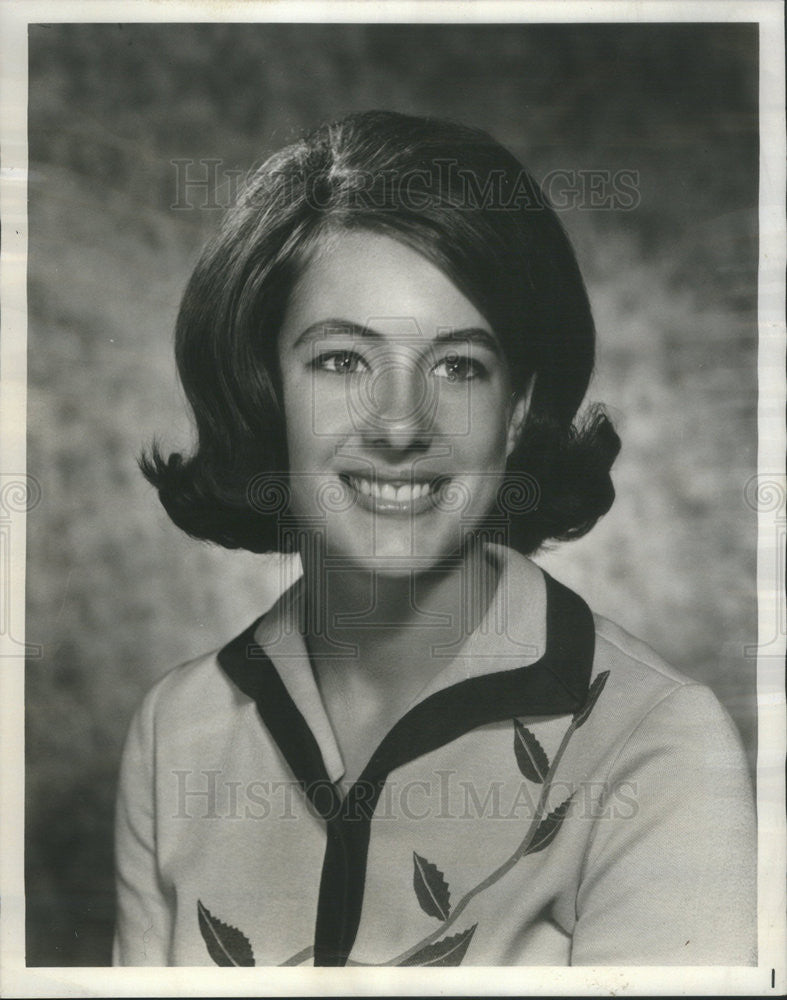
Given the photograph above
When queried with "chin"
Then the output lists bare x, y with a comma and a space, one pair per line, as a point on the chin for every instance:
392, 555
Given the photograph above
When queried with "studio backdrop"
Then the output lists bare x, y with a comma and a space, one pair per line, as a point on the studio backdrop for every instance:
644, 137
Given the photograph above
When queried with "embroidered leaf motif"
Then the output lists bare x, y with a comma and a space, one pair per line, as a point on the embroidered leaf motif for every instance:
431, 888
226, 945
594, 691
548, 827
449, 951
530, 756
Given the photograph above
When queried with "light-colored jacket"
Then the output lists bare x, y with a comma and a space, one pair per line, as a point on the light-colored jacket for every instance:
557, 795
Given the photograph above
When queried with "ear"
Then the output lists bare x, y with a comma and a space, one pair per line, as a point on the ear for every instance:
519, 412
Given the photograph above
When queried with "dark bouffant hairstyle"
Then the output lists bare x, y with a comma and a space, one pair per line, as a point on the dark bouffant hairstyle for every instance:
459, 198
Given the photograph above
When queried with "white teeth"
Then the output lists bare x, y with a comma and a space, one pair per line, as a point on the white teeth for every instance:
386, 491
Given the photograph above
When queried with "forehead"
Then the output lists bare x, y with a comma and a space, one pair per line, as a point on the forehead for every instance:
368, 278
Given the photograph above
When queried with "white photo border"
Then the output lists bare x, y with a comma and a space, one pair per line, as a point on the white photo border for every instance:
769, 493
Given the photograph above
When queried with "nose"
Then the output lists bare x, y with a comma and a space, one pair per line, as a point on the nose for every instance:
400, 406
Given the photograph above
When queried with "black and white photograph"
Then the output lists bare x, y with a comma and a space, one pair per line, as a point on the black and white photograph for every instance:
393, 502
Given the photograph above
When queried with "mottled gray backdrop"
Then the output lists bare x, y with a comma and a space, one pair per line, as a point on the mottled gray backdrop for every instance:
115, 594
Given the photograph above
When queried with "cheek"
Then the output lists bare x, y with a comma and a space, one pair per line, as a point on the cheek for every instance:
312, 426
315, 415
480, 435
301, 442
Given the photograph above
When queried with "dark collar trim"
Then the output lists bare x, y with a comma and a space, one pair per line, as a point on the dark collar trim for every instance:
555, 684
250, 668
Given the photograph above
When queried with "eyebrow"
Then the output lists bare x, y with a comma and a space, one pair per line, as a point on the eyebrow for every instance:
342, 327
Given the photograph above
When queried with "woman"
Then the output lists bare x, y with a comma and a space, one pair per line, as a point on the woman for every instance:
427, 751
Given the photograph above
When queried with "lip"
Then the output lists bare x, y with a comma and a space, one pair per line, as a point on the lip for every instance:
427, 492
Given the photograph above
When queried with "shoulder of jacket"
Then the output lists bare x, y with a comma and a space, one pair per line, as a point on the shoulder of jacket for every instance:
643, 692
619, 650
187, 693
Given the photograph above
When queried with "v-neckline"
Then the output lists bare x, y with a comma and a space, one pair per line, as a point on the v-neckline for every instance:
555, 684
509, 636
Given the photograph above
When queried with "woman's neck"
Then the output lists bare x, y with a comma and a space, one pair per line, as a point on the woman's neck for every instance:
376, 641
387, 628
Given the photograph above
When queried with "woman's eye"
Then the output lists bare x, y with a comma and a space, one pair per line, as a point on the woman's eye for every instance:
340, 362
458, 368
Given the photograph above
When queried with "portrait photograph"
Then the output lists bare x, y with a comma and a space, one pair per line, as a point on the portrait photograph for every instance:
392, 503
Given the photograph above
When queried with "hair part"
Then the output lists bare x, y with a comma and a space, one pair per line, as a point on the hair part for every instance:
456, 196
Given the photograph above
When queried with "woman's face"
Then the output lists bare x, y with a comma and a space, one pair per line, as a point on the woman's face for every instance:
397, 405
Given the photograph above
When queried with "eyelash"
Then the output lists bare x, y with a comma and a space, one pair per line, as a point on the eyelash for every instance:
322, 362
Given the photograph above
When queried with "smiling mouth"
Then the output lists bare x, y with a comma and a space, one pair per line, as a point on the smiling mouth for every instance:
395, 491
